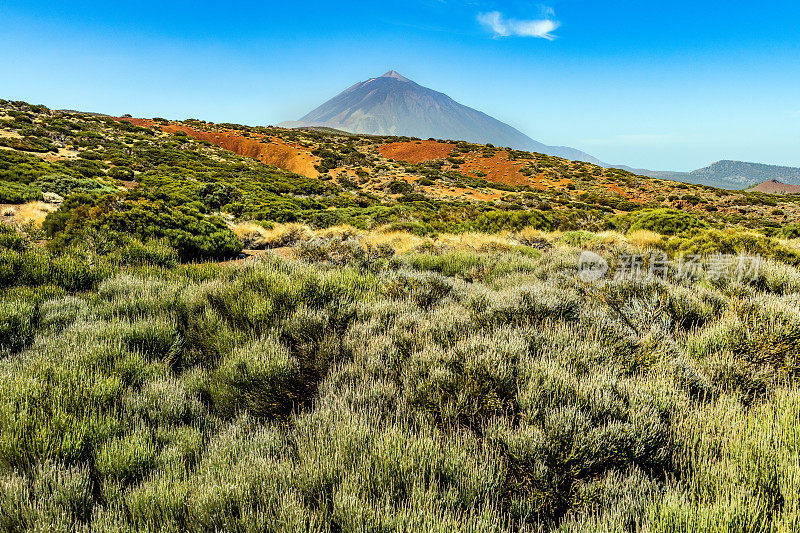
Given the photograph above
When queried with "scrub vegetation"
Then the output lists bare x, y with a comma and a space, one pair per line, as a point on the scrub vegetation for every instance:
389, 375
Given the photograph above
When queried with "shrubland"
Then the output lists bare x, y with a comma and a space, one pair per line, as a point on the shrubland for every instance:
388, 363
464, 383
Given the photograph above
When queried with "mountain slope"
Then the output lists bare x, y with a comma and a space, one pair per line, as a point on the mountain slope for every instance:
727, 174
395, 105
746, 174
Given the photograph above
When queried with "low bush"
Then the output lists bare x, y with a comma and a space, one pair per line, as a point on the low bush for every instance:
730, 242
663, 221
261, 378
17, 325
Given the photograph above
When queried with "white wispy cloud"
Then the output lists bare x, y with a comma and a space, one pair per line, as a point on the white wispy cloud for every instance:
543, 28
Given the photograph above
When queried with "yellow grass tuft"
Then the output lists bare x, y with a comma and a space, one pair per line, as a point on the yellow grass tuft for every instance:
644, 238
33, 212
254, 236
249, 233
337, 232
610, 237
530, 235
400, 241
476, 241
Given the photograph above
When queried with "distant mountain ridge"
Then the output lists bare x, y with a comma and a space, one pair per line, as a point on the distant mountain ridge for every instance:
727, 174
394, 105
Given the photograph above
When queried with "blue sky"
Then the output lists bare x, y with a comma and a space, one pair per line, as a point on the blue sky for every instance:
662, 85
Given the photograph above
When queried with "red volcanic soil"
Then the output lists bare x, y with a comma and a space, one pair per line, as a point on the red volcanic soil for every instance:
776, 187
498, 168
275, 152
416, 152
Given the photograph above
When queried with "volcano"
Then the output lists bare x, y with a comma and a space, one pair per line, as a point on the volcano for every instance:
394, 105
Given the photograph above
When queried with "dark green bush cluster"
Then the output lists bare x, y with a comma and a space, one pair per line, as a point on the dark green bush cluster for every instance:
182, 227
664, 221
400, 187
17, 193
731, 242
28, 144
35, 267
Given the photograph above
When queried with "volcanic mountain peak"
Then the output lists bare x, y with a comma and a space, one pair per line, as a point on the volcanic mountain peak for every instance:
394, 105
396, 75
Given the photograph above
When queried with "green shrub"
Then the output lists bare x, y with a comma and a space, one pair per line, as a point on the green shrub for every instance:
472, 380
261, 378
193, 235
17, 325
664, 221
134, 252
126, 459
121, 173
55, 498
18, 193
577, 238
38, 268
65, 185
348, 252
11, 240
400, 187
731, 242
790, 231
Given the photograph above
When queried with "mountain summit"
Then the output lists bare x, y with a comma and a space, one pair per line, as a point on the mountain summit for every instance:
396, 75
394, 105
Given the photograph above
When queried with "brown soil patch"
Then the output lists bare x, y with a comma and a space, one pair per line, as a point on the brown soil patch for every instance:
613, 187
416, 152
498, 168
776, 187
274, 152
141, 122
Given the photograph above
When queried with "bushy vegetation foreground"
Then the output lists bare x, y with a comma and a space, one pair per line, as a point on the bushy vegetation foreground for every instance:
355, 389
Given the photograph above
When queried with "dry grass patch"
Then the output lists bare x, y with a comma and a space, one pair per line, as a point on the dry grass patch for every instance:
477, 241
611, 237
644, 238
33, 212
400, 241
255, 236
338, 232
